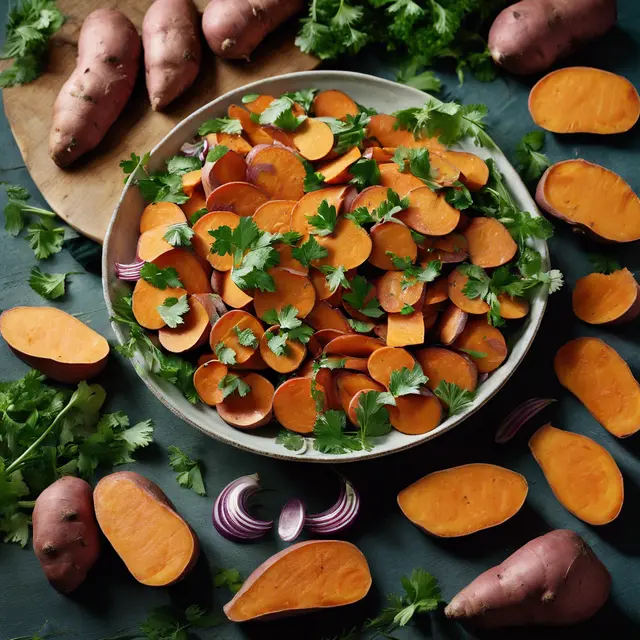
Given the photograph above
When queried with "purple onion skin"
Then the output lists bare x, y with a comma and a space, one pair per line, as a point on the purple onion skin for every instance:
519, 417
338, 517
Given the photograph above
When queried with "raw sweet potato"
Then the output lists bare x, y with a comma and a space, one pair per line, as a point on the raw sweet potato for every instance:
462, 500
292, 288
555, 579
147, 299
240, 198
394, 238
601, 299
278, 172
99, 87
443, 364
383, 362
294, 406
490, 243
55, 343
155, 543
529, 36
207, 379
191, 334
405, 330
595, 373
416, 414
334, 104
234, 29
485, 344
317, 574
172, 52
226, 331
252, 410
160, 214
582, 474
596, 200
429, 213
584, 100
66, 539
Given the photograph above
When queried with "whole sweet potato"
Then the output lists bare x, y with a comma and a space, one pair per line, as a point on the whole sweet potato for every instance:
172, 51
555, 579
66, 538
99, 87
529, 36
234, 28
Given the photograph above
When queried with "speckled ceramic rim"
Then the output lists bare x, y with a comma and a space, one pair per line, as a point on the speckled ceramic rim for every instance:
386, 96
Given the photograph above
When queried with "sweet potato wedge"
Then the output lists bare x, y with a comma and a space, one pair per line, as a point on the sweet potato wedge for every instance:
403, 331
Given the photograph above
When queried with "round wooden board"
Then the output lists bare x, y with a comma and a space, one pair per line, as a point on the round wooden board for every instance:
85, 194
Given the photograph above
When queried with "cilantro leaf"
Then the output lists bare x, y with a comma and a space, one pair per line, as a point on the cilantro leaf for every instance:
228, 578
225, 354
246, 337
406, 310
303, 97
350, 132
160, 278
425, 273
232, 383
456, 398
459, 197
302, 333
17, 212
309, 251
45, 239
335, 276
291, 441
179, 235
49, 285
277, 342
361, 327
180, 165
365, 173
603, 264
418, 163
280, 114
286, 318
532, 163
220, 125
324, 221
474, 354
372, 417
219, 151
357, 298
403, 382
162, 187
129, 166
398, 262
324, 362
330, 436
386, 211
425, 81
172, 310
189, 472
313, 179
250, 97
360, 216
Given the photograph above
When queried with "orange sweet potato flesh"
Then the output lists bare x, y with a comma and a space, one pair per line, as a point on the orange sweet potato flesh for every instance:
161, 215
324, 316
349, 384
54, 343
278, 172
416, 414
240, 198
313, 139
334, 171
474, 172
513, 307
196, 202
206, 380
429, 213
202, 240
253, 410
452, 324
463, 500
334, 104
225, 331
443, 364
402, 183
231, 141
290, 361
155, 543
436, 291
479, 336
403, 331
391, 294
230, 168
355, 346
392, 237
317, 574
582, 474
382, 127
308, 206
152, 244
292, 288
594, 199
147, 299
584, 100
600, 299
231, 294
294, 406
490, 243
371, 198
349, 245
595, 373
191, 334
274, 216
191, 273
383, 362
320, 339
457, 282
253, 131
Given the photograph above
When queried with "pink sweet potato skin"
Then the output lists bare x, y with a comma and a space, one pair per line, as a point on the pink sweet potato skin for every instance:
555, 579
529, 36
99, 87
234, 28
66, 537
172, 50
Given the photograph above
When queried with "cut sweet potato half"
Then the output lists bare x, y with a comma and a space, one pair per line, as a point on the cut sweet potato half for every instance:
383, 362
320, 339
436, 291
429, 213
191, 334
234, 142
207, 379
135, 514
391, 294
404, 331
354, 346
191, 181
490, 243
147, 299
440, 364
240, 198
457, 282
232, 295
448, 249
416, 414
582, 474
594, 199
463, 500
293, 356
191, 273
196, 202
254, 363
348, 246
390, 237
226, 331
161, 214
317, 574
334, 104
252, 410
278, 172
452, 324
370, 198
485, 344
294, 406
292, 288
55, 343
324, 316
595, 373
602, 299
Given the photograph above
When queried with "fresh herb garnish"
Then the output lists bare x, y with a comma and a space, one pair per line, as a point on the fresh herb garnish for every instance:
372, 417
324, 220
250, 97
229, 578
406, 310
303, 97
313, 180
456, 398
232, 383
172, 310
357, 298
160, 278
129, 166
180, 165
290, 328
309, 251
532, 163
403, 382
603, 264
188, 470
418, 163
219, 151
231, 126
335, 276
348, 133
361, 327
277, 342
179, 235
365, 173
384, 212
17, 212
49, 285
280, 114
226, 355
289, 440
425, 81
246, 337
459, 197
197, 215
45, 239
330, 436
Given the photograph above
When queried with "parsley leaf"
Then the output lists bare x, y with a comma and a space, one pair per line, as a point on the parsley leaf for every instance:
180, 165
225, 354
246, 337
277, 342
360, 216
357, 298
291, 441
309, 251
415, 274
456, 398
189, 472
45, 239
197, 215
372, 417
250, 97
418, 163
17, 211
179, 235
603, 264
172, 310
167, 623
280, 114
313, 179
386, 211
330, 436
459, 197
228, 578
365, 173
335, 276
160, 278
231, 126
162, 187
425, 81
129, 166
349, 133
232, 383
290, 328
324, 221
324, 362
361, 327
532, 163
49, 285
403, 382
286, 318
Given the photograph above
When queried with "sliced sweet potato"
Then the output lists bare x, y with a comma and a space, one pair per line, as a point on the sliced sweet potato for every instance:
448, 249
452, 324
457, 282
228, 290
596, 374
195, 203
379, 154
252, 410
274, 216
260, 103
254, 363
349, 384
252, 130
490, 243
402, 183
584, 100
292, 288
192, 274
370, 198
383, 362
429, 213
226, 331
391, 294
161, 214
293, 356
191, 181
334, 171
277, 172
485, 344
382, 127
349, 245
440, 364
55, 343
317, 574
403, 331
582, 474
313, 139
601, 299
202, 240
390, 237
135, 514
324, 316
319, 281
436, 291
147, 299
334, 104
230, 168
294, 406
416, 414
191, 334
207, 379
152, 244
240, 198
463, 500
233, 142
430, 313
513, 307
308, 206
594, 199
474, 172
354, 346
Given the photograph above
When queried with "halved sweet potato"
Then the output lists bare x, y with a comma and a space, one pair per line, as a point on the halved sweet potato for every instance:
232, 295
405, 330
152, 244
191, 271
252, 410
349, 245
462, 500
240, 198
55, 343
160, 214
324, 316
317, 574
155, 543
202, 240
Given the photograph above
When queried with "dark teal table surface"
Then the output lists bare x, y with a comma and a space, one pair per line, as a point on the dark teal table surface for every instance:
111, 600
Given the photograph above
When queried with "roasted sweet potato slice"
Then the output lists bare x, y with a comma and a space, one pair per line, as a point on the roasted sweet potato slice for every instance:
452, 323
190, 270
292, 288
403, 331
436, 291
390, 237
354, 345
152, 244
324, 316
287, 362
334, 104
231, 141
256, 134
416, 414
161, 214
207, 379
147, 299
226, 331
308, 206
294, 405
485, 344
191, 334
393, 296
382, 127
349, 245
383, 362
252, 410
457, 282
202, 240
440, 364
313, 139
402, 183
349, 384
513, 307
474, 172
277, 172
274, 216
240, 198
232, 295
336, 171
231, 167
490, 243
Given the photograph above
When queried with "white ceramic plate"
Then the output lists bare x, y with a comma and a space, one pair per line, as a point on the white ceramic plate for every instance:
122, 236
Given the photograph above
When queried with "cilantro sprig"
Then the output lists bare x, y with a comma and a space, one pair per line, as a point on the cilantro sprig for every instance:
188, 470
384, 212
323, 222
231, 126
280, 114
365, 172
49, 285
531, 163
360, 290
173, 309
160, 278
290, 327
415, 274
454, 397
603, 263
336, 277
403, 382
232, 383
302, 97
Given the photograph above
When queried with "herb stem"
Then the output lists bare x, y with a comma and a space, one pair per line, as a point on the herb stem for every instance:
38, 211
27, 504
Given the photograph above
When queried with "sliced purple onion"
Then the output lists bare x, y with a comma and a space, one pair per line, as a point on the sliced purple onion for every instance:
230, 517
519, 417
340, 515
291, 520
192, 149
202, 156
129, 272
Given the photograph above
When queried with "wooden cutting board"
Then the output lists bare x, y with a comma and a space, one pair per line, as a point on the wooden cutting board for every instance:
85, 194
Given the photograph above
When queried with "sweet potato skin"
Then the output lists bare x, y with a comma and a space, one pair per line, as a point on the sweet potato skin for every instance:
99, 87
172, 51
529, 36
555, 579
234, 28
66, 538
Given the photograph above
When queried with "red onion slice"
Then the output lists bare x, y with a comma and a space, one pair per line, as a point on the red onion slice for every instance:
202, 156
129, 272
192, 149
292, 518
519, 417
340, 515
230, 517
